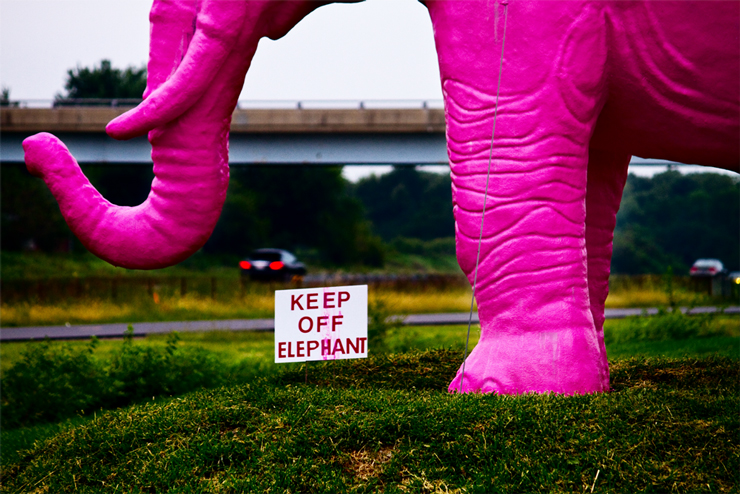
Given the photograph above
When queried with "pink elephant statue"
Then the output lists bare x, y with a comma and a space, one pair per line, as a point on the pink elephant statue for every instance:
584, 86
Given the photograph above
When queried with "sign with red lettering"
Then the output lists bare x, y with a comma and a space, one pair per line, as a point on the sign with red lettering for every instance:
326, 323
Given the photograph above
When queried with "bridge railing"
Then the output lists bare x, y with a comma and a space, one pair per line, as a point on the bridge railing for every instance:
347, 104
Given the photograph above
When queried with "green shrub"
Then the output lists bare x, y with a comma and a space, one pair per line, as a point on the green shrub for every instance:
664, 326
380, 320
437, 247
52, 382
137, 373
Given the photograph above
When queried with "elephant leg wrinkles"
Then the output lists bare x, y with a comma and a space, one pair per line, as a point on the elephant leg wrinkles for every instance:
537, 327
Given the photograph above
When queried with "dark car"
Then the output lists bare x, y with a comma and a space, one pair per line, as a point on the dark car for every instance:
272, 264
707, 267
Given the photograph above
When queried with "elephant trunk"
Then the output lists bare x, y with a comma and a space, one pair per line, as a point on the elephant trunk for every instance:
190, 155
191, 171
176, 219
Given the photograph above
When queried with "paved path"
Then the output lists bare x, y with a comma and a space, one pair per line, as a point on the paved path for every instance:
144, 328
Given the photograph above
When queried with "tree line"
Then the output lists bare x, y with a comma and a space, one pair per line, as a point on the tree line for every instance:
667, 220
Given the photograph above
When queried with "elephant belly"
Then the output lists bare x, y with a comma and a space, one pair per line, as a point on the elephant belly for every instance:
673, 83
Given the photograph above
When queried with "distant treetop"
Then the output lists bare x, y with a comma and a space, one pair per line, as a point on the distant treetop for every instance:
104, 81
5, 97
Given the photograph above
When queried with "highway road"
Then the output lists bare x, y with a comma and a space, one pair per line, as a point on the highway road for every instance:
74, 332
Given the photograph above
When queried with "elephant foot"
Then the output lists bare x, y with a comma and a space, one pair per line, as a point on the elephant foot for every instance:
556, 361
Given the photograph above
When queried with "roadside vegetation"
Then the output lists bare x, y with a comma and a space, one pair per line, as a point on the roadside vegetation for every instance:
258, 302
166, 304
163, 300
387, 423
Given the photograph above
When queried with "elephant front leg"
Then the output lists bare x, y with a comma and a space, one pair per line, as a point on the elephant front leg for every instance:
532, 285
543, 273
537, 328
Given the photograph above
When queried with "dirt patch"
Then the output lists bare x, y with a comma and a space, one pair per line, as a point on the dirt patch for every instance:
366, 464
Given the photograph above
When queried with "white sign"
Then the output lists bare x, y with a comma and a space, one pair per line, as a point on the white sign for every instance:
321, 323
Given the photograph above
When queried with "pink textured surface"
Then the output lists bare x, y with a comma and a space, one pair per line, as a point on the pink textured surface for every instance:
585, 85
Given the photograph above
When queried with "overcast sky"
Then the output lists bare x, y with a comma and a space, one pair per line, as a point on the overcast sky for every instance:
378, 49
374, 50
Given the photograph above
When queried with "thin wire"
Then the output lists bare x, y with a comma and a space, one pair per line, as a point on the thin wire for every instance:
485, 195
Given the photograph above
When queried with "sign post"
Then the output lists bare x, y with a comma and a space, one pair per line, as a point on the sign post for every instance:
326, 323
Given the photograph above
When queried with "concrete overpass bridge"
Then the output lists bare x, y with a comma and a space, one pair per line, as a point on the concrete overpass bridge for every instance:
361, 135
406, 136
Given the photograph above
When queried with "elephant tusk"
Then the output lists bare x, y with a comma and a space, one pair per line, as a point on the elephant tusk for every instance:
172, 29
218, 26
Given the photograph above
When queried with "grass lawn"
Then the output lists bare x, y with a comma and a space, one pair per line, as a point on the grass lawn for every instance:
387, 423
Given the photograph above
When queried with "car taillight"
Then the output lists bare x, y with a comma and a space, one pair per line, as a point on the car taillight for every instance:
712, 270
276, 265
245, 265
693, 269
